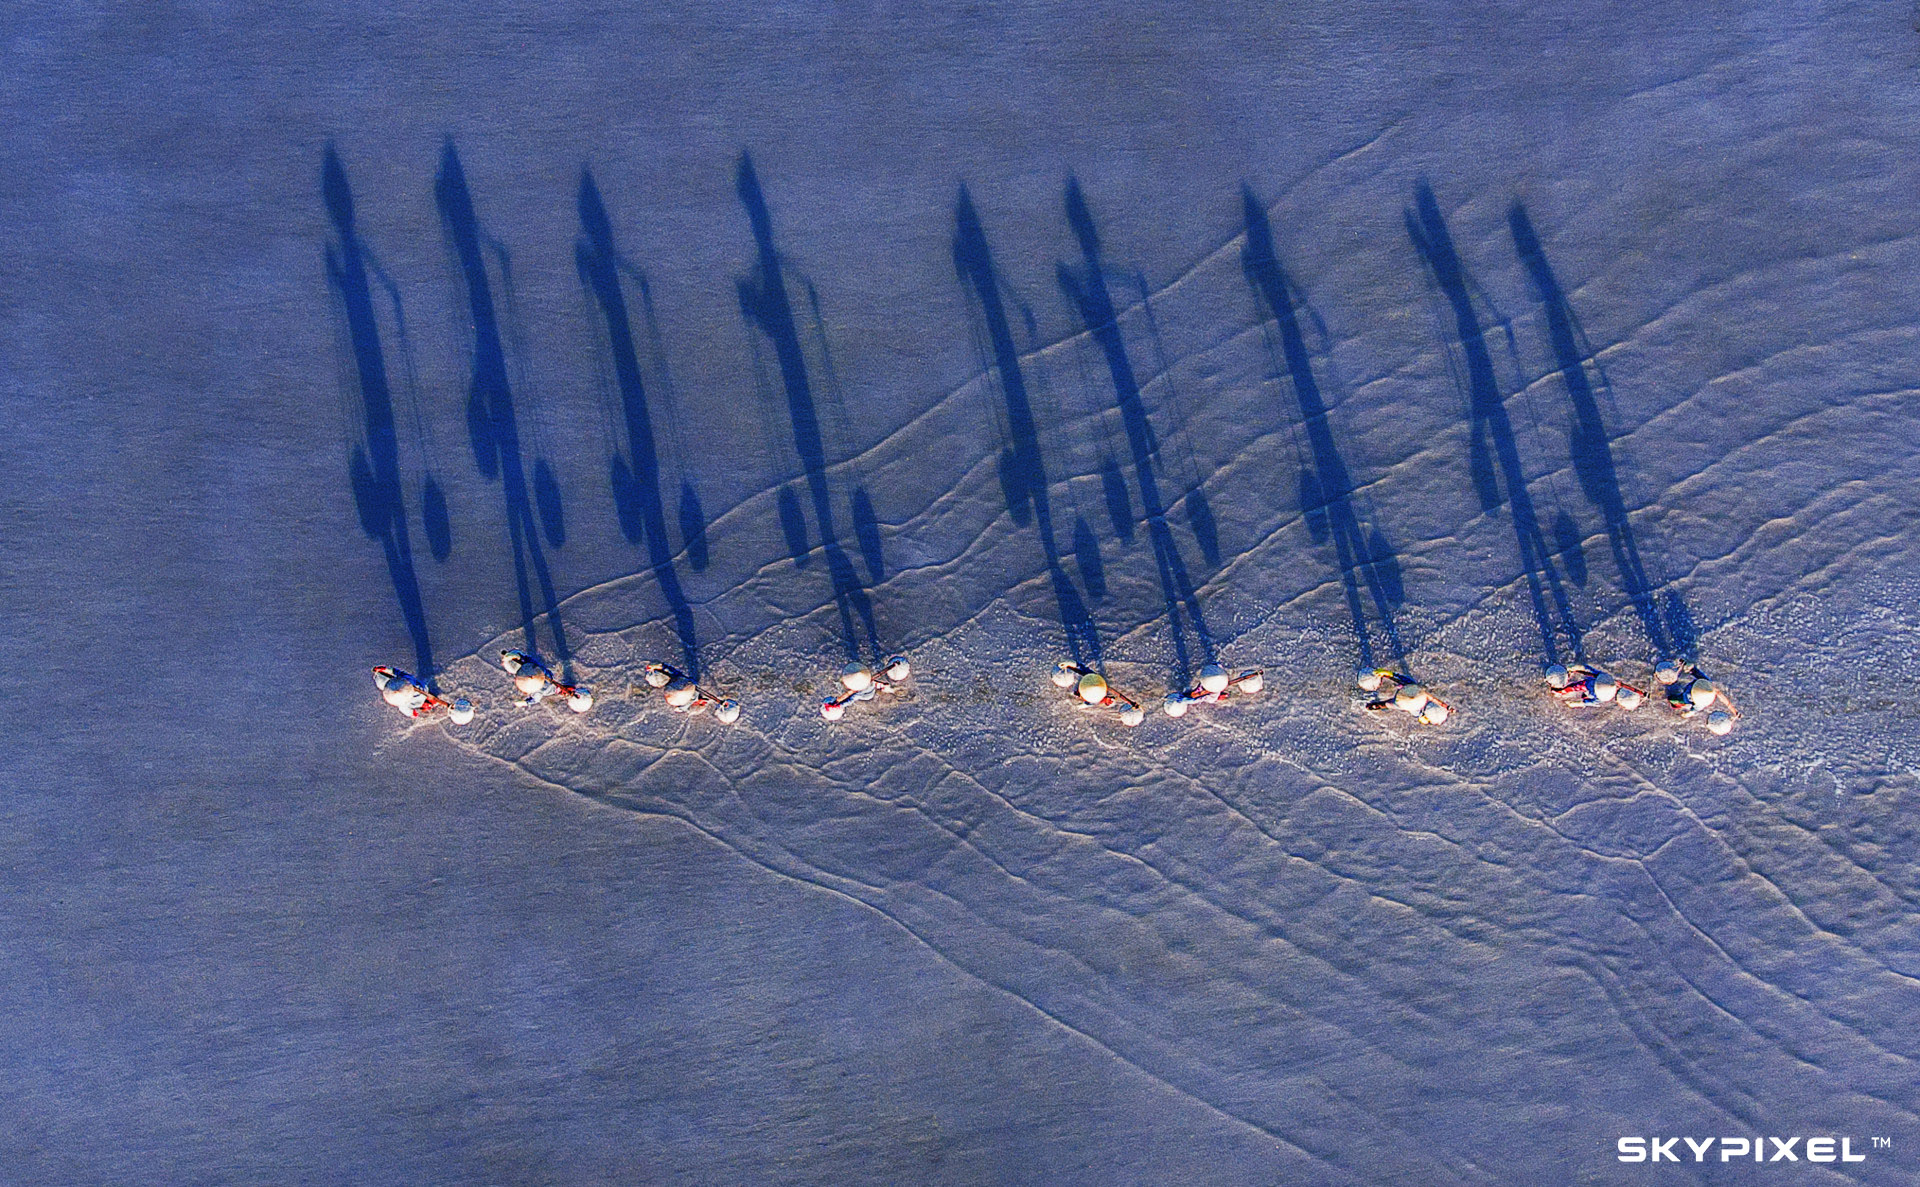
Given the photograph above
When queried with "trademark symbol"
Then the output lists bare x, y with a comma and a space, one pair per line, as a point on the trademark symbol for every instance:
1883, 1143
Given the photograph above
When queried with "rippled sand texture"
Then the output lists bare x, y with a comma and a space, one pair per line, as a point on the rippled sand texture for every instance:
1462, 344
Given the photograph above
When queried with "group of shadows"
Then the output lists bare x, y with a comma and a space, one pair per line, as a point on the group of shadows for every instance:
781, 311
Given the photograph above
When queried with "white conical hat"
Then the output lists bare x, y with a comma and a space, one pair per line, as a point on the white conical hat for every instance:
1092, 688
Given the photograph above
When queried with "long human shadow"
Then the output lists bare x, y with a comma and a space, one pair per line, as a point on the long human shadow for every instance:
490, 417
375, 469
766, 306
1491, 429
1327, 489
1087, 561
1023, 470
1591, 452
1089, 296
636, 490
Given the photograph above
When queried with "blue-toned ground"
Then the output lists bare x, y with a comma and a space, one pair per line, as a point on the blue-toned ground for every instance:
1458, 341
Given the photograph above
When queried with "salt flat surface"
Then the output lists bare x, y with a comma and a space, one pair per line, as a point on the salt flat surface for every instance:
1455, 340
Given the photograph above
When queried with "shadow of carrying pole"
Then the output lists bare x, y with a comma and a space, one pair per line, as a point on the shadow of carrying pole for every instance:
1206, 532
1552, 611
693, 518
375, 469
1587, 438
1332, 485
490, 416
766, 306
1025, 472
1095, 305
866, 523
637, 490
